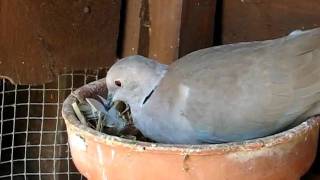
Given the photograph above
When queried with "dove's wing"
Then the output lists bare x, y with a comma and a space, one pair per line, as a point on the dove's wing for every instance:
240, 91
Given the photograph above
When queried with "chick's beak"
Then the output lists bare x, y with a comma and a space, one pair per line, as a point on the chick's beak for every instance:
110, 100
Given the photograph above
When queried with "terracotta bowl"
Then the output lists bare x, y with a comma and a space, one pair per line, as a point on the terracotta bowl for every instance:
287, 155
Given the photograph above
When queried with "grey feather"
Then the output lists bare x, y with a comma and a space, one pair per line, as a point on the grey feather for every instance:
221, 94
101, 113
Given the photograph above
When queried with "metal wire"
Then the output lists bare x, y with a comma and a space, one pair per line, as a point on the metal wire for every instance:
33, 136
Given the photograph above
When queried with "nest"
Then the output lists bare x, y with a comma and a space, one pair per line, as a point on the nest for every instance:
100, 123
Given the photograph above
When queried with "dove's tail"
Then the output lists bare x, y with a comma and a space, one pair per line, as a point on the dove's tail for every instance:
301, 32
305, 45
305, 41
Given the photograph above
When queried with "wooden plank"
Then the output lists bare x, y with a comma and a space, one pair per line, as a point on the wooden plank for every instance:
248, 20
165, 19
40, 38
132, 23
170, 29
197, 25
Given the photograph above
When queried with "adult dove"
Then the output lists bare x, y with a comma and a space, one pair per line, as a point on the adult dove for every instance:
222, 94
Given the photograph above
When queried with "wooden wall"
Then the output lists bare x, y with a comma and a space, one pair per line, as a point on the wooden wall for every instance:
40, 38
248, 20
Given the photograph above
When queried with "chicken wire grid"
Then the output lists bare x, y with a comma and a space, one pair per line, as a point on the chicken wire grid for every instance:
33, 136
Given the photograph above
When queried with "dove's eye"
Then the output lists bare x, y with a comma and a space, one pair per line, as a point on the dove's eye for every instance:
117, 83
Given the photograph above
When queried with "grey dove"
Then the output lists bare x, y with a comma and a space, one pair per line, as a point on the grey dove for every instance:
222, 94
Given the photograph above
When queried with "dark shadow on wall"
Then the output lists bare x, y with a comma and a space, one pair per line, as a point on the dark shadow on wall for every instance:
217, 36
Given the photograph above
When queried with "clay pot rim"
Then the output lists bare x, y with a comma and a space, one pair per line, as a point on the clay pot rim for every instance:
74, 125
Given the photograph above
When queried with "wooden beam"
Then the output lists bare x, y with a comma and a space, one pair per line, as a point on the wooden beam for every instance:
197, 25
132, 23
170, 28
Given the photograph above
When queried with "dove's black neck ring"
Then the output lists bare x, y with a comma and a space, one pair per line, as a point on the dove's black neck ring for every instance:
148, 96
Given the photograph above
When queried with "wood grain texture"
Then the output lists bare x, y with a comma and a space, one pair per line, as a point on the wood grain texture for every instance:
132, 25
248, 20
40, 38
197, 25
168, 29
165, 19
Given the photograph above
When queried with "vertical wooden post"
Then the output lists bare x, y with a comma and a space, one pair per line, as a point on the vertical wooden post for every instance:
197, 25
165, 24
168, 28
132, 23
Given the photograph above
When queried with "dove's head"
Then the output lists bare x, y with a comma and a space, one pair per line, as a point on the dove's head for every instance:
133, 79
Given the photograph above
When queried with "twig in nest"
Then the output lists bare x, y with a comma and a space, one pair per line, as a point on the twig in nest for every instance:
99, 124
78, 113
125, 110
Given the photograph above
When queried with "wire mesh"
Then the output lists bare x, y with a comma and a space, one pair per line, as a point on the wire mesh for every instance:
33, 136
